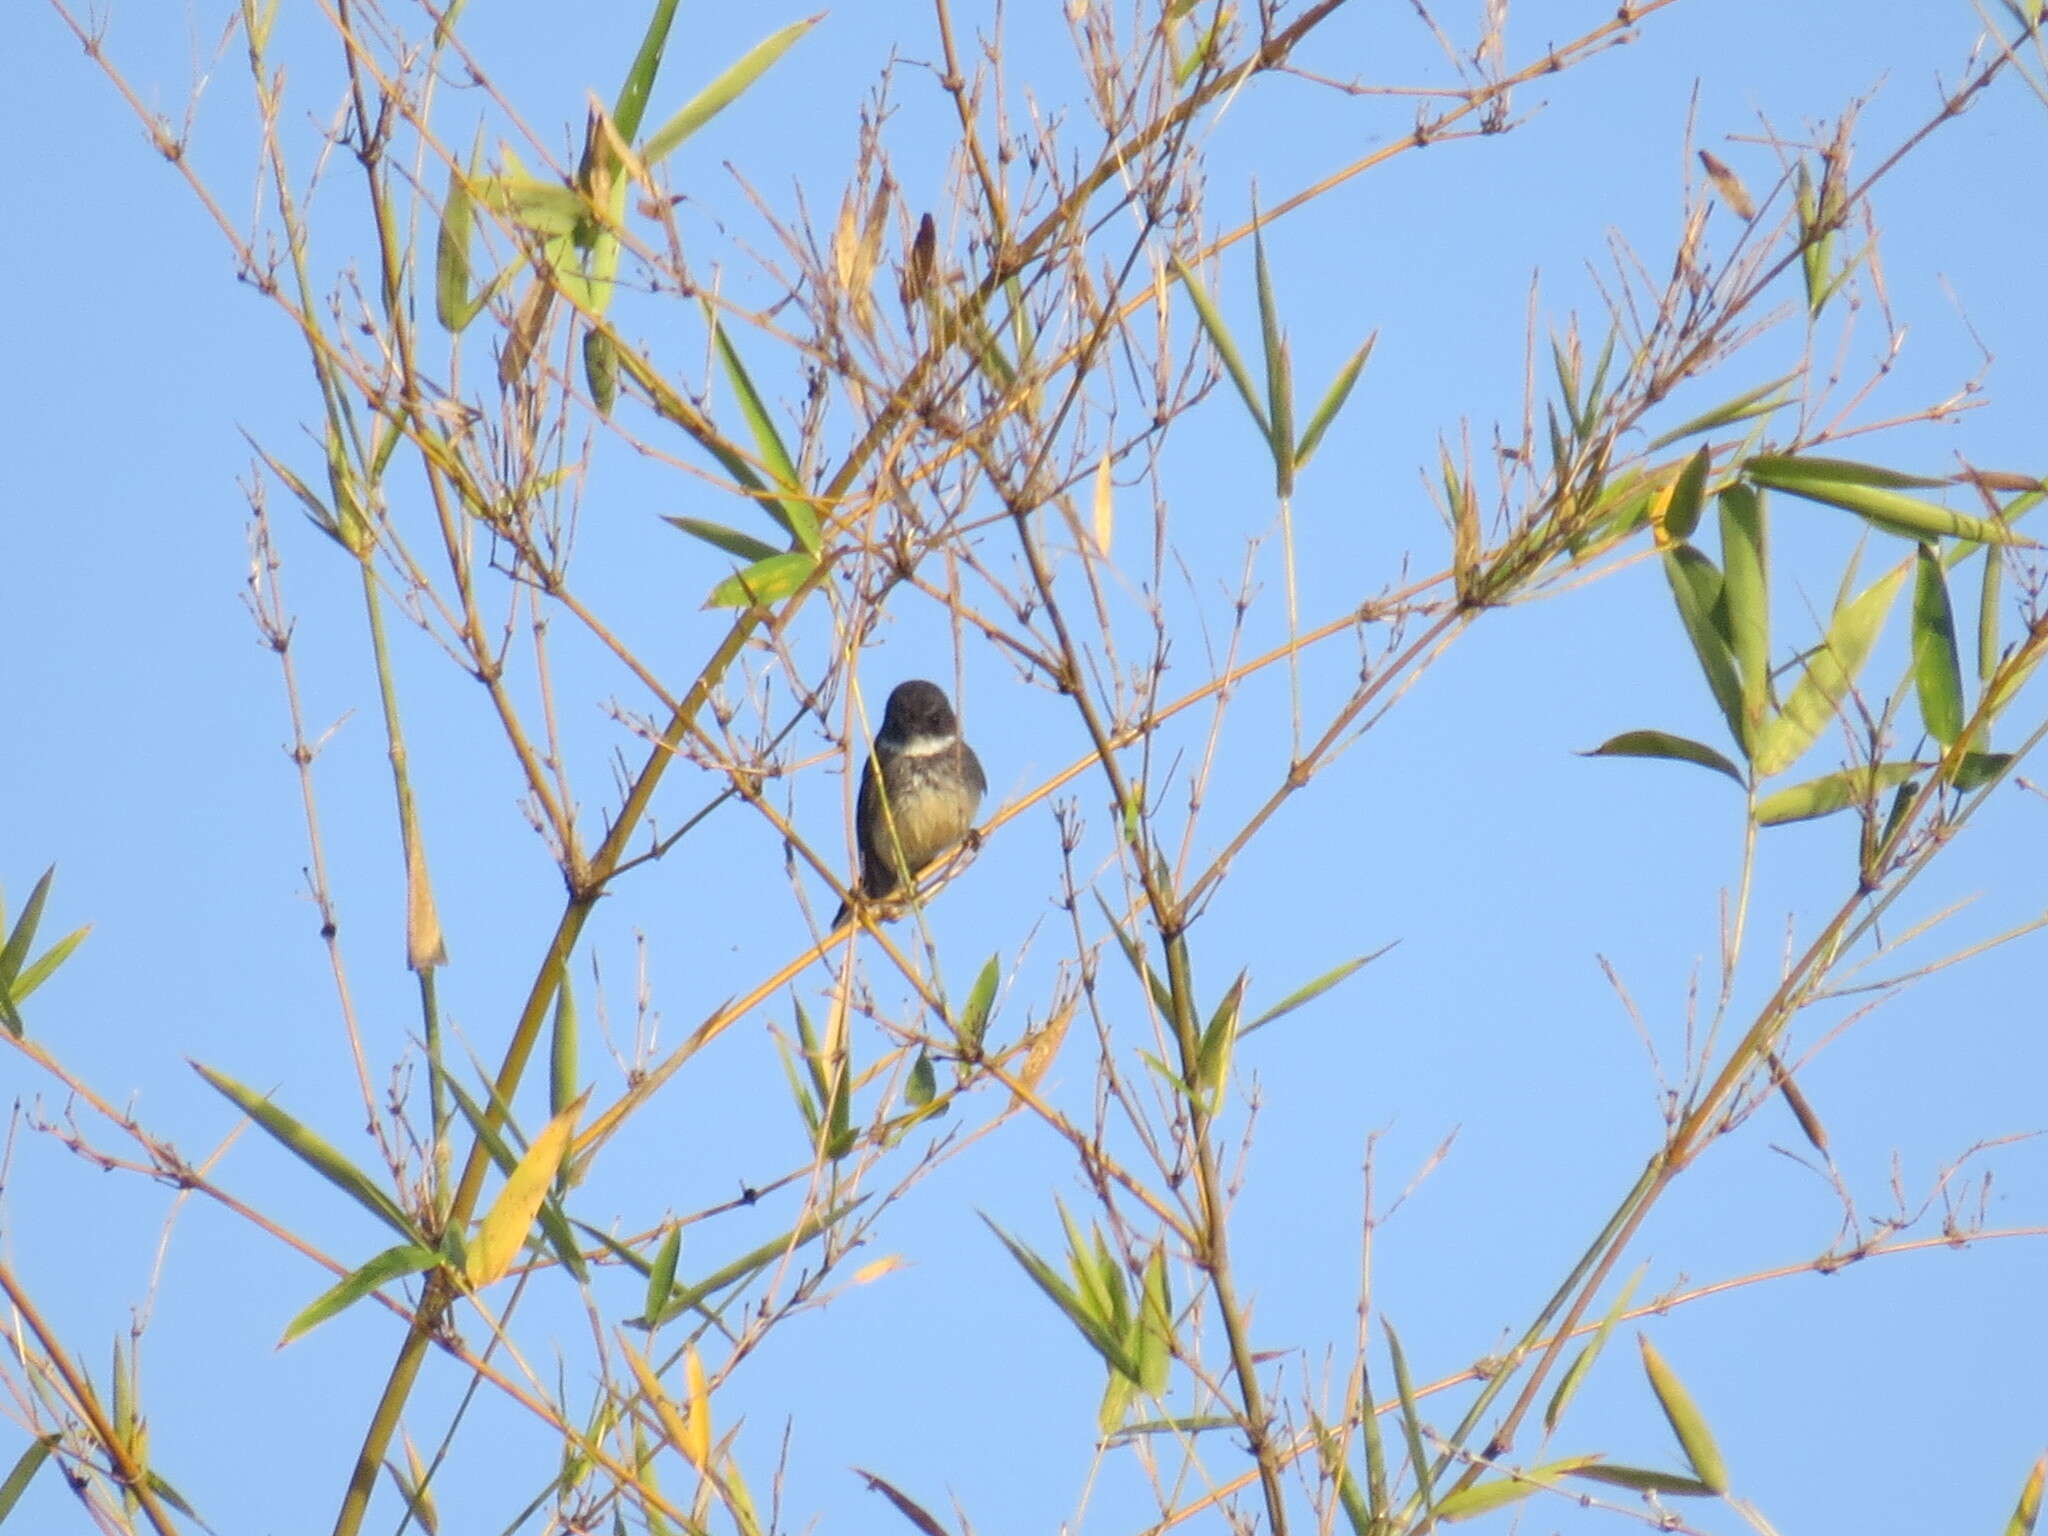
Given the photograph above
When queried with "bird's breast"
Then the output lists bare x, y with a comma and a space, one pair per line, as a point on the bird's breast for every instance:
931, 806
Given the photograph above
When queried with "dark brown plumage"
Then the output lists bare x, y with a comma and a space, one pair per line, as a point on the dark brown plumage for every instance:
919, 791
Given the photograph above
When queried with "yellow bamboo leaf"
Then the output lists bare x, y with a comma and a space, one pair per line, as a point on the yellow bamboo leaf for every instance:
424, 947
1045, 1045
696, 1441
1660, 504
673, 1425
1105, 507
886, 1265
1730, 187
504, 1228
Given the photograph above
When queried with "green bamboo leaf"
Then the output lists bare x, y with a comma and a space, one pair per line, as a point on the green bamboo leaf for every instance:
1644, 1480
315, 1152
1097, 1280
1310, 991
1118, 1394
923, 1085
1596, 392
840, 1136
752, 1263
1411, 1423
1155, 1326
1746, 600
2009, 682
1979, 768
1987, 615
1279, 383
1663, 744
164, 1491
317, 511
630, 106
1816, 248
1281, 373
1841, 278
411, 1481
639, 1263
764, 582
15, 950
40, 969
1560, 450
452, 305
584, 263
806, 1105
501, 1152
1087, 1323
384, 441
972, 1025
562, 1051
1902, 804
994, 361
1023, 334
1125, 1311
1830, 793
544, 207
814, 1054
1694, 1438
344, 486
575, 1464
1582, 1362
1829, 674
1178, 1424
1817, 470
601, 370
1226, 348
1332, 402
1623, 504
23, 1472
1937, 664
792, 509
739, 1501
741, 546
1162, 997
1461, 511
1760, 401
1567, 370
1220, 18
259, 19
1688, 495
1376, 1481
1337, 1469
122, 1378
722, 92
2024, 1514
1168, 1077
1864, 490
1484, 1498
661, 1275
1219, 1038
391, 1264
1696, 589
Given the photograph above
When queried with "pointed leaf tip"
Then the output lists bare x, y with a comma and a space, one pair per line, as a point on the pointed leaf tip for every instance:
1663, 744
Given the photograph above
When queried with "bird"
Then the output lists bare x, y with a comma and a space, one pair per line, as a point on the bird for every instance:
919, 791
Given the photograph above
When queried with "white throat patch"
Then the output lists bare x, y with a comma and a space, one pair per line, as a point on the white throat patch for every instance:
926, 746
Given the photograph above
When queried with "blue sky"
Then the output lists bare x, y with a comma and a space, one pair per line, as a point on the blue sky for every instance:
146, 760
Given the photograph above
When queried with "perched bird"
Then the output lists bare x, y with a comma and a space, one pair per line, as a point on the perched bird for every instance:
918, 793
